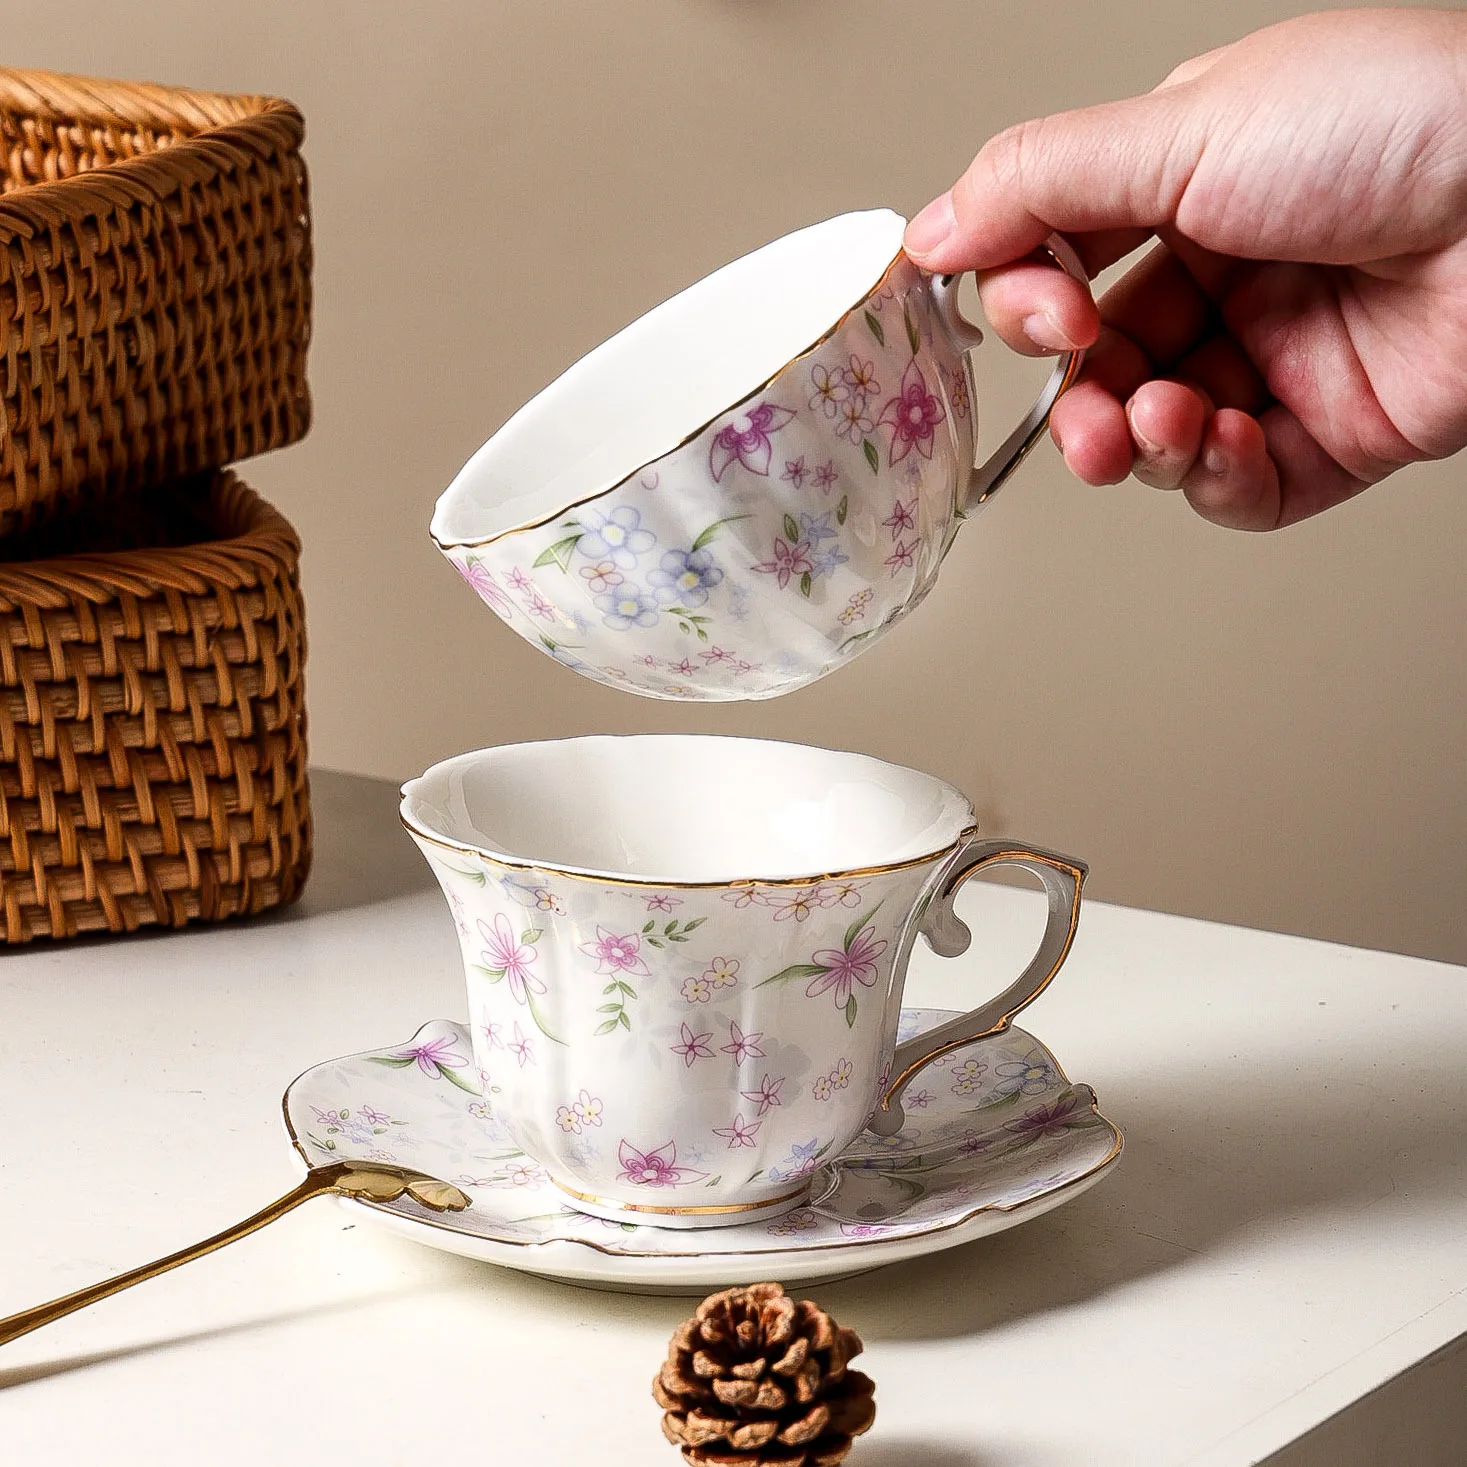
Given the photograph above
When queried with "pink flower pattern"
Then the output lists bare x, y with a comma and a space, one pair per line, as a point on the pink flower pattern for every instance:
765, 1094
748, 445
537, 605
912, 415
847, 966
901, 557
506, 956
739, 1132
522, 1048
601, 576
479, 576
616, 952
902, 517
657, 1168
693, 1047
740, 1045
432, 1056
787, 561
456, 906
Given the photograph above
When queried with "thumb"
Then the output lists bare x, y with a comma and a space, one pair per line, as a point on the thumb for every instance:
1119, 166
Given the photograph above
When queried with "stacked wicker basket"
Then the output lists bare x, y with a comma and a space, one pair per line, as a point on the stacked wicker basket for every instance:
155, 261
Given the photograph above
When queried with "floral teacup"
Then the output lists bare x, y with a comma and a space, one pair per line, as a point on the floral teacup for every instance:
685, 955
748, 484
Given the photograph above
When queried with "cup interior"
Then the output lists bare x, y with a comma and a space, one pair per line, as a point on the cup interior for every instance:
685, 808
646, 389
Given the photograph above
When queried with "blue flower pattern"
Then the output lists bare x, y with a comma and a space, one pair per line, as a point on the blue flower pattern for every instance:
617, 537
826, 561
685, 577
627, 606
1032, 1075
815, 528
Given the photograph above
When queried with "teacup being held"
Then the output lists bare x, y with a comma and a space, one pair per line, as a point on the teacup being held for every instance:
685, 955
748, 485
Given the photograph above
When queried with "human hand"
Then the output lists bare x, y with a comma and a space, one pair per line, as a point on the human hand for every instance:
1299, 330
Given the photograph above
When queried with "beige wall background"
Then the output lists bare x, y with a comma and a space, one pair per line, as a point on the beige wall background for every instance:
1263, 730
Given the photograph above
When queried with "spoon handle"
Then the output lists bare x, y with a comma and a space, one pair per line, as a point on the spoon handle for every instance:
317, 1181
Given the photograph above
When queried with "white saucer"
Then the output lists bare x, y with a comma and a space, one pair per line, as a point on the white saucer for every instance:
995, 1135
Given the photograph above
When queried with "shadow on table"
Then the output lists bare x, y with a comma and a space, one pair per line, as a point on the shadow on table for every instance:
346, 870
1285, 1137
1281, 1136
911, 1452
19, 1375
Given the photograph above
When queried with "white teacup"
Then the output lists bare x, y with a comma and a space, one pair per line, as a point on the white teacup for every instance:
747, 485
685, 955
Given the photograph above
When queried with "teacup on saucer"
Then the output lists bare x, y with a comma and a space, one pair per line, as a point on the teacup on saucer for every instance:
1000, 1136
685, 955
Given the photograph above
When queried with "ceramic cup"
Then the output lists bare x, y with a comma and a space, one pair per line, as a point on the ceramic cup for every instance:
747, 485
685, 955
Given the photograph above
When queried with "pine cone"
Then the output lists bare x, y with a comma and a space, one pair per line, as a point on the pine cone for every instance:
754, 1379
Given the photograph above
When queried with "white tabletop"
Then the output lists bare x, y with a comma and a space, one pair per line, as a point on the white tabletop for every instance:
1286, 1232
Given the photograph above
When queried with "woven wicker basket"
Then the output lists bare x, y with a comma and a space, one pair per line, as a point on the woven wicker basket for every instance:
155, 259
152, 714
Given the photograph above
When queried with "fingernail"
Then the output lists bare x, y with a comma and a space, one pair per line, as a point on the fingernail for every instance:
1215, 461
1152, 450
931, 226
1045, 333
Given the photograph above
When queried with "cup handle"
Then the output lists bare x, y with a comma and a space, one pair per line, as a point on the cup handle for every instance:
948, 935
986, 478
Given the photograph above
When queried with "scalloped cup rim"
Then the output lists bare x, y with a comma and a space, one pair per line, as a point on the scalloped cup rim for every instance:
457, 499
956, 818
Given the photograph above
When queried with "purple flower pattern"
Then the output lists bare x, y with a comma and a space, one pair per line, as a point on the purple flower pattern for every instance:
742, 1046
657, 1168
766, 1094
746, 440
912, 415
1049, 1120
693, 1047
481, 578
739, 1132
845, 967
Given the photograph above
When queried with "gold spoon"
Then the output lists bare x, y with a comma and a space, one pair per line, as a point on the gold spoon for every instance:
370, 1181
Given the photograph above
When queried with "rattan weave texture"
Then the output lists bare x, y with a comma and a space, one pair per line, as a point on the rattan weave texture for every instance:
155, 284
152, 715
